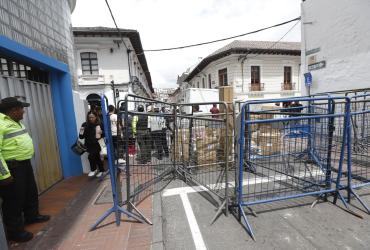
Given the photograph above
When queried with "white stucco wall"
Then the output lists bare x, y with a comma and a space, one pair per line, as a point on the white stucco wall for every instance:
341, 30
271, 70
80, 106
112, 64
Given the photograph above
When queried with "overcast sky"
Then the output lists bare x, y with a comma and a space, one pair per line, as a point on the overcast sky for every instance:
171, 23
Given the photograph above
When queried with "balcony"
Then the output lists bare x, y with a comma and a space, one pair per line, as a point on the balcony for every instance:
256, 87
288, 86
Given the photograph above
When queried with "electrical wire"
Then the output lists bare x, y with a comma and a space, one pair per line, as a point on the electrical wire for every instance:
224, 39
115, 23
273, 45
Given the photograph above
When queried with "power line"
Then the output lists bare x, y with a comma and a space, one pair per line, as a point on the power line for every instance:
227, 38
114, 20
273, 45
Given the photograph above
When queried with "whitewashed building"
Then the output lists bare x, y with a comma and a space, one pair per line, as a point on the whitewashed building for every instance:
163, 94
256, 69
104, 63
335, 45
179, 95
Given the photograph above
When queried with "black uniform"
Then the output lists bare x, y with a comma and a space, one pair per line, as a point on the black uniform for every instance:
143, 138
92, 145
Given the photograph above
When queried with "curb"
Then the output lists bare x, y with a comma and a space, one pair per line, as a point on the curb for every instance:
157, 233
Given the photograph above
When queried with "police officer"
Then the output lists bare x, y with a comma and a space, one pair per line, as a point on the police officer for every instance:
17, 183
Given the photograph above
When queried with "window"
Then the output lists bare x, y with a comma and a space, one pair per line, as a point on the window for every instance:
4, 67
288, 78
255, 75
209, 81
19, 70
287, 74
8, 67
203, 83
255, 79
222, 77
89, 63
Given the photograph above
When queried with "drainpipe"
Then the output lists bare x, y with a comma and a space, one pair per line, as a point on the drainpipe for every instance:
242, 59
129, 66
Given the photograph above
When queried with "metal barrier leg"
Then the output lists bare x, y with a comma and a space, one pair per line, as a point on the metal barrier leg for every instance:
101, 218
219, 211
140, 214
247, 227
140, 217
346, 205
359, 200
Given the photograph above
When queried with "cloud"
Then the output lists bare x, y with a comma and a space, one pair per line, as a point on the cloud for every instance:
171, 23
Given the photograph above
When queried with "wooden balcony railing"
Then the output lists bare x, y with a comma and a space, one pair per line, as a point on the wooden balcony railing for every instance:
256, 87
288, 86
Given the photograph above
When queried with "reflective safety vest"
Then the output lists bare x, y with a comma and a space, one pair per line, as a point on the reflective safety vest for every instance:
15, 144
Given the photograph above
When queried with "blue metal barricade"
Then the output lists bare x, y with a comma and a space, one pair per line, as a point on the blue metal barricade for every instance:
358, 142
117, 209
288, 152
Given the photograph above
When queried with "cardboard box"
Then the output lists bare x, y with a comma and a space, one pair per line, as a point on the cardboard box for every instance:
181, 152
206, 157
269, 143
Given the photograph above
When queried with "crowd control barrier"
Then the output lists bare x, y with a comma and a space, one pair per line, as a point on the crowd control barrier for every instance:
287, 152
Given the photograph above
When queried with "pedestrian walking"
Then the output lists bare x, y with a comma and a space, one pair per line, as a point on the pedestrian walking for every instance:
143, 137
214, 110
156, 125
132, 141
128, 126
18, 188
114, 127
91, 131
297, 108
166, 127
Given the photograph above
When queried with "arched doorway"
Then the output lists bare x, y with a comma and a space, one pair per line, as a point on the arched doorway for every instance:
93, 99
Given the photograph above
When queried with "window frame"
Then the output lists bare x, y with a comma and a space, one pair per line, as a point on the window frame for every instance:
89, 70
222, 77
22, 71
286, 77
253, 73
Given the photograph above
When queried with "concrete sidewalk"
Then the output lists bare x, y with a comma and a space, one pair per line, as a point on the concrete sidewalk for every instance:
73, 208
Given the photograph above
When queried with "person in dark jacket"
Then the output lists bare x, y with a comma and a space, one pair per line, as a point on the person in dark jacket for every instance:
92, 131
127, 127
164, 132
143, 137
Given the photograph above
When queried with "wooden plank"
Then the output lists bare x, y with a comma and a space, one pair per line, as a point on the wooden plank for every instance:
226, 94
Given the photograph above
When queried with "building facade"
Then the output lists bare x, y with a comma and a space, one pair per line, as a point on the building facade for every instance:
36, 54
255, 69
109, 65
335, 45
163, 95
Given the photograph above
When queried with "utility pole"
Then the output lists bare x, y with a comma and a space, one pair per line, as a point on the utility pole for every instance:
114, 92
